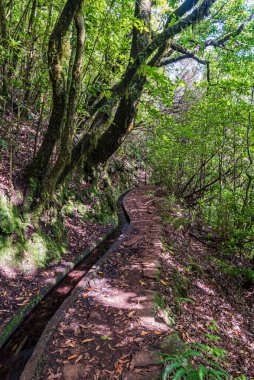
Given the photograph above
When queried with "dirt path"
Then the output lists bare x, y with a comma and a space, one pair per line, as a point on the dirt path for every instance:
110, 330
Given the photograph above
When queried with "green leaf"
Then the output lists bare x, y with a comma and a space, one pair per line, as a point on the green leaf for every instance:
179, 374
170, 368
105, 337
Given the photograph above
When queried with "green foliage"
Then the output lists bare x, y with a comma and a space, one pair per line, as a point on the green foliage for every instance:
103, 208
161, 306
180, 285
213, 326
183, 120
160, 301
242, 274
193, 364
204, 153
194, 267
3, 144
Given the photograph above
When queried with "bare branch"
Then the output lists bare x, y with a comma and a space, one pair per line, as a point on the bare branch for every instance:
187, 54
181, 58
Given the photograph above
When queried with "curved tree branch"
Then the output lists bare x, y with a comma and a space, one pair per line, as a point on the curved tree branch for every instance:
220, 42
186, 54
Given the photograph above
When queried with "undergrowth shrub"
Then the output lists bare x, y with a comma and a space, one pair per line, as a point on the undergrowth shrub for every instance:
194, 363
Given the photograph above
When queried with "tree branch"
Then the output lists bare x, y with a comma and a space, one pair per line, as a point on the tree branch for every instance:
185, 7
197, 15
186, 54
220, 42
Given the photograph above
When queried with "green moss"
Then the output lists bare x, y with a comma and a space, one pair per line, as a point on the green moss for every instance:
29, 254
7, 253
194, 267
9, 219
180, 285
75, 206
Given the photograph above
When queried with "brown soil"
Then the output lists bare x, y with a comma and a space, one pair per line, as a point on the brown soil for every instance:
216, 303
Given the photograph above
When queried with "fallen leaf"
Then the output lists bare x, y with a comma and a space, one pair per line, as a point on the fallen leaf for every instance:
121, 361
72, 357
124, 356
118, 367
73, 345
78, 359
158, 332
163, 282
87, 340
53, 376
185, 336
144, 333
23, 303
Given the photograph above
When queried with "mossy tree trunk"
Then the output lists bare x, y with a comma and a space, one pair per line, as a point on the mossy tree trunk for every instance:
56, 56
68, 128
4, 42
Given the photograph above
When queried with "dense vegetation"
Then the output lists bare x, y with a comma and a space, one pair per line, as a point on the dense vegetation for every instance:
84, 75
203, 148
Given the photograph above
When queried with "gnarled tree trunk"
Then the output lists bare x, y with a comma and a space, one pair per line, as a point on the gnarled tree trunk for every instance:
40, 166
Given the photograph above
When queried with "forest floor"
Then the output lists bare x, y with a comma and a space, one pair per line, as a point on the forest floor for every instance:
19, 284
161, 288
17, 287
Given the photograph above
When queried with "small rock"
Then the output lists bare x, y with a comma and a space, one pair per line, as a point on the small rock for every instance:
73, 372
132, 241
150, 268
145, 359
172, 344
150, 273
95, 315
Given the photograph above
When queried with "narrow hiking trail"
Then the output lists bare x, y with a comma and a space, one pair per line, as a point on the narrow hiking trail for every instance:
155, 290
112, 316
